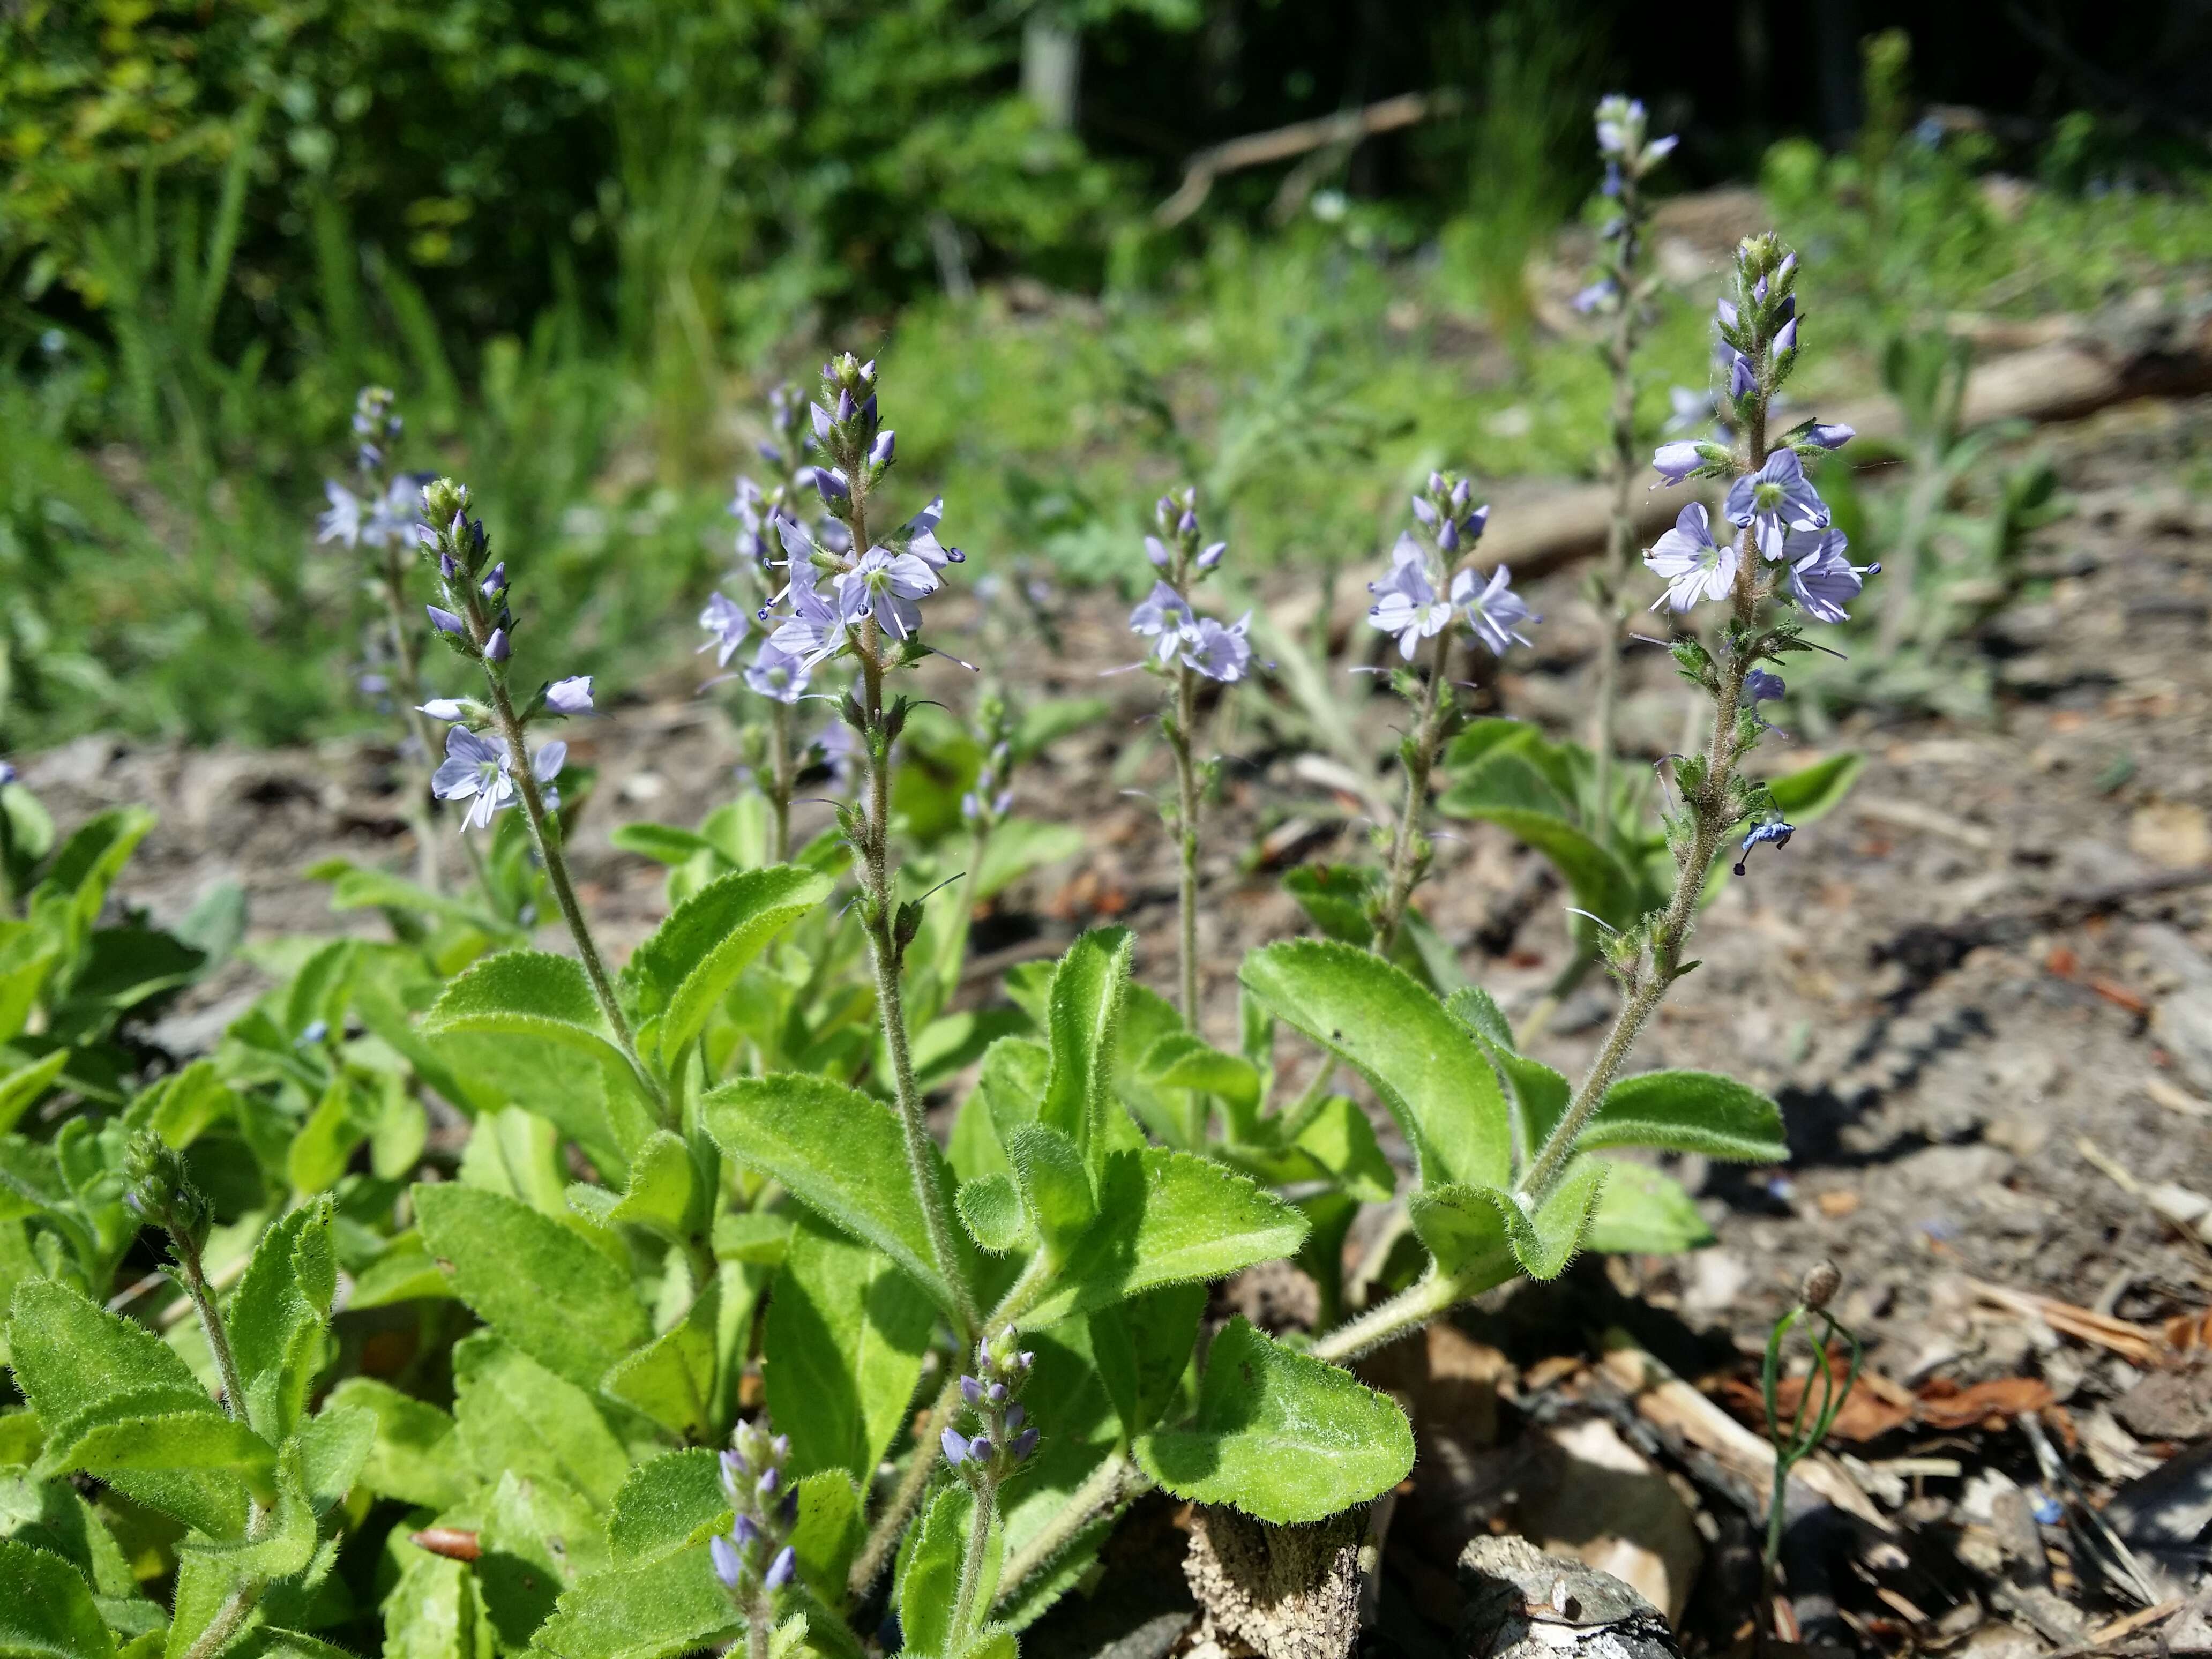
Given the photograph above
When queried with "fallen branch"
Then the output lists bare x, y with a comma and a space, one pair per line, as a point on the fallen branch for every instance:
1280, 144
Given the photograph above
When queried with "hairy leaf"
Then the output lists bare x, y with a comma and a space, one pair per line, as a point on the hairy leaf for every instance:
277, 1315
535, 1281
526, 993
691, 960
46, 1612
671, 1379
1422, 1062
1468, 1229
991, 1210
1688, 1112
512, 1414
1280, 1436
664, 1608
843, 1155
1055, 1186
667, 1504
1083, 1019
1645, 1212
414, 1456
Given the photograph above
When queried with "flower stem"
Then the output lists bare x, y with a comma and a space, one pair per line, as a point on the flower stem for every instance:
1612, 579
883, 1537
964, 1612
409, 683
236, 1609
784, 767
759, 1618
546, 835
1187, 837
190, 1270
1408, 847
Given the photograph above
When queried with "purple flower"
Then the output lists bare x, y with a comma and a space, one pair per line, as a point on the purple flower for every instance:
1831, 435
726, 624
444, 709
498, 648
1406, 601
1660, 149
1693, 565
830, 481
1724, 308
1023, 1444
1157, 551
7, 774
779, 1570
1619, 120
1676, 461
971, 1390
1015, 1417
777, 674
1786, 340
1741, 381
1219, 653
1164, 616
1689, 409
886, 584
1598, 293
1210, 556
729, 1563
477, 769
1774, 829
957, 1450
879, 452
1821, 579
1775, 500
917, 536
1760, 686
1496, 612
571, 697
816, 629
446, 622
341, 521
733, 1471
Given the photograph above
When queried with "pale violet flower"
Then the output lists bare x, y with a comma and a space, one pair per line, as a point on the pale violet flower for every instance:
1164, 616
1218, 651
726, 622
1676, 461
1776, 830
1689, 410
444, 709
778, 674
375, 522
917, 536
1774, 501
886, 584
1406, 603
477, 769
571, 697
1693, 565
341, 521
814, 631
1495, 612
1822, 579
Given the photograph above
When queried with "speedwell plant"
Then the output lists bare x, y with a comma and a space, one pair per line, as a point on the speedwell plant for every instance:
525, 1300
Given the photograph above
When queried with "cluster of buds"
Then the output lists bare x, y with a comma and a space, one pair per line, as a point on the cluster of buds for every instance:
381, 513
477, 622
1418, 599
1630, 154
158, 1191
1004, 1438
882, 586
1179, 635
755, 1557
986, 805
1773, 507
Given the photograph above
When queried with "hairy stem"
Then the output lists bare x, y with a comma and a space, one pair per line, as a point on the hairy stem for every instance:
1414, 1306
408, 682
783, 768
546, 835
1187, 837
759, 1618
191, 1272
1112, 1484
1620, 527
965, 1611
1408, 845
236, 1609
883, 1536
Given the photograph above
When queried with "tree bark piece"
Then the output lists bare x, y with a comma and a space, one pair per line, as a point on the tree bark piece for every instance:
1284, 1592
1524, 1604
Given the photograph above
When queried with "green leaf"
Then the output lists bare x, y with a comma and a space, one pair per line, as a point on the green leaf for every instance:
664, 843
402, 1271
77, 884
847, 1331
1180, 1061
1142, 1347
1644, 1212
829, 1532
1166, 1217
668, 1503
1814, 791
277, 1315
662, 1196
353, 888
527, 993
323, 1145
46, 1612
691, 960
436, 1611
1013, 1083
992, 1212
1422, 1062
1335, 898
1468, 1229
671, 1379
512, 1414
843, 1155
537, 1283
158, 1442
1280, 1436
1476, 1008
20, 1088
334, 1447
1017, 846
657, 1611
1342, 1141
1055, 1186
1511, 793
1688, 1112
413, 1455
1083, 1019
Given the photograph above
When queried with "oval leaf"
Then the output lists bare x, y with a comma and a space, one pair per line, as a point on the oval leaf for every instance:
1280, 1436
693, 957
1688, 1112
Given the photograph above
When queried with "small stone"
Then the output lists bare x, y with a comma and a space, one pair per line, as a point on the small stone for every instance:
1524, 1604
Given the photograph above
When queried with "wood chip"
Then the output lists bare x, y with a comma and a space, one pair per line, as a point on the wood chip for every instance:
2175, 1098
2133, 1343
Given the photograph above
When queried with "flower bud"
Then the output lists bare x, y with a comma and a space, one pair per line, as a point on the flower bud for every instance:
1822, 1280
